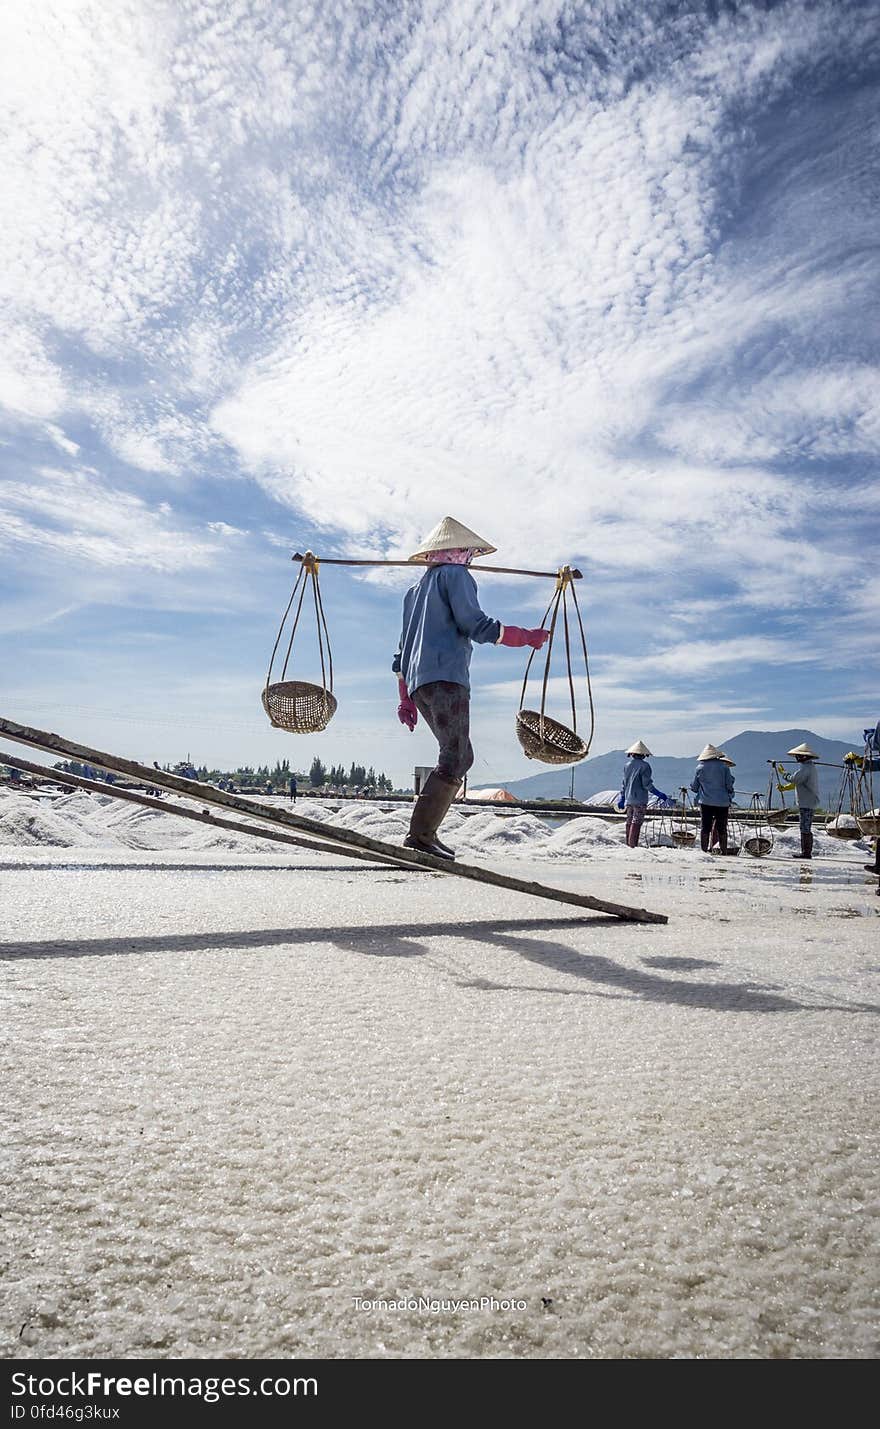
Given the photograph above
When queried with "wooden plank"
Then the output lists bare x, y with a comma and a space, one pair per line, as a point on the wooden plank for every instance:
75, 781
206, 793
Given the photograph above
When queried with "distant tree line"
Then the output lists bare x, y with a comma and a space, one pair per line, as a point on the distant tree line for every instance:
263, 777
358, 777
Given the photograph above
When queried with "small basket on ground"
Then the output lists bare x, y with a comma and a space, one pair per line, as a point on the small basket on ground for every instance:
756, 829
299, 707
683, 835
841, 821
546, 739
869, 825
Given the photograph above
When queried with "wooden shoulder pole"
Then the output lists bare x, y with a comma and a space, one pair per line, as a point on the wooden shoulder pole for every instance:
309, 559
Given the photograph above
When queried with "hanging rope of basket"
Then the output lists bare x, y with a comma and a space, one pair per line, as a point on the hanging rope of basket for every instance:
296, 705
776, 817
661, 828
868, 817
683, 836
734, 833
540, 736
840, 825
759, 841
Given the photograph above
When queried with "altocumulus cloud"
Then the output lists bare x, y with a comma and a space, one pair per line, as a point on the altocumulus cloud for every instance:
596, 275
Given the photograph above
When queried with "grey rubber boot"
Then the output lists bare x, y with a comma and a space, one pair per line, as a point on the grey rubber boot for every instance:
430, 810
806, 847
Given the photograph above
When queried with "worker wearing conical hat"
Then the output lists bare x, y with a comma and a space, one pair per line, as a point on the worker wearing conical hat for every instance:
712, 787
634, 791
441, 620
805, 782
871, 765
715, 837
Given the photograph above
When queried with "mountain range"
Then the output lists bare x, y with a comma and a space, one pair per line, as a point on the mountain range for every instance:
750, 751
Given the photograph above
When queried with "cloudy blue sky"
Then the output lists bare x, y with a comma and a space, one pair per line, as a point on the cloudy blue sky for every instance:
600, 279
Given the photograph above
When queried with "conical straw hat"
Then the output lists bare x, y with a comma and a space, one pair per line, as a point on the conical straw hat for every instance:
726, 759
450, 535
710, 752
806, 750
638, 748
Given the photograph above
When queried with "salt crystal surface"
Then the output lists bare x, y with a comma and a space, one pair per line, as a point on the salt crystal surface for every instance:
245, 1084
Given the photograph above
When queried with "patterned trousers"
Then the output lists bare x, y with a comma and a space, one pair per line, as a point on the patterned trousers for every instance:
635, 817
446, 710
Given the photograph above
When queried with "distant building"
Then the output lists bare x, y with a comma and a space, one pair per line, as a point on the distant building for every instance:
607, 798
497, 796
420, 775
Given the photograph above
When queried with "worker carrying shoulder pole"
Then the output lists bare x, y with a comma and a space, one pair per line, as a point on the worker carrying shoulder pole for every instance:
805, 782
441, 619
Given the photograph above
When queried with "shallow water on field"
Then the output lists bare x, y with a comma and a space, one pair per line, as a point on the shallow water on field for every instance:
794, 878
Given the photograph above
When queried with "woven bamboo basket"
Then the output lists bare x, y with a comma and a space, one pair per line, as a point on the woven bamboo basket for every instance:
835, 830
869, 825
757, 845
683, 839
547, 740
299, 707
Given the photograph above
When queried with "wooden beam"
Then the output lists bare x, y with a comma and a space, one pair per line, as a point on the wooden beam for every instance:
206, 793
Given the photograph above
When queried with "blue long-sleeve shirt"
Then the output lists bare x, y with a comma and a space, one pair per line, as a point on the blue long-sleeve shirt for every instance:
637, 781
713, 783
441, 617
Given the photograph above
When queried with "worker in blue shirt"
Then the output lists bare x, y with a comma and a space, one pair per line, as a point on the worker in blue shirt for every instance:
712, 787
441, 620
638, 784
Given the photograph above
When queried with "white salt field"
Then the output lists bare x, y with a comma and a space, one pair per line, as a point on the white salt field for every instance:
251, 1091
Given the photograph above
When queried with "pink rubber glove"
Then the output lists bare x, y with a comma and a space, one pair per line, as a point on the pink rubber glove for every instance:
406, 710
515, 636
